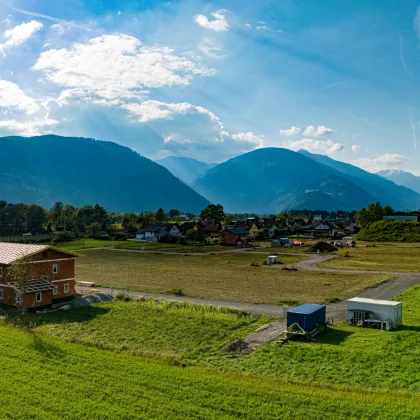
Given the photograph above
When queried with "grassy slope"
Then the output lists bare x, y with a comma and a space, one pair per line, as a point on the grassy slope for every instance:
222, 276
47, 379
151, 328
348, 356
42, 375
378, 258
401, 231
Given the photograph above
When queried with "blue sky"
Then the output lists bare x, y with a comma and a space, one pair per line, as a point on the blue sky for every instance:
211, 80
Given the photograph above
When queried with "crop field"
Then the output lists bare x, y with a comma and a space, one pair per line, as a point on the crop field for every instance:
220, 276
390, 258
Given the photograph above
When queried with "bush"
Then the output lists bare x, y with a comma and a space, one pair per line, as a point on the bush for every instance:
62, 237
176, 292
169, 240
121, 296
289, 269
255, 264
322, 246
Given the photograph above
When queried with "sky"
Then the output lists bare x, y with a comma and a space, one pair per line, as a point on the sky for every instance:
212, 80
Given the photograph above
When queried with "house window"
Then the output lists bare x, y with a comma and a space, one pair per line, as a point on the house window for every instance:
55, 268
1, 294
55, 291
66, 288
17, 298
38, 297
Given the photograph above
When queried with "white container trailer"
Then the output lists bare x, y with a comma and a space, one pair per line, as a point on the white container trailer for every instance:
365, 312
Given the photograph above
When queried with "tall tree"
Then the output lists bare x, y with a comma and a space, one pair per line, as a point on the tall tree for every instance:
56, 214
36, 218
173, 213
160, 215
213, 212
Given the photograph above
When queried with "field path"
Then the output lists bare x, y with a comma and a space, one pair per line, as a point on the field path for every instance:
336, 311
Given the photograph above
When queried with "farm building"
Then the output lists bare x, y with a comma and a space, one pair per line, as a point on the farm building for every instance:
233, 236
383, 314
308, 319
34, 276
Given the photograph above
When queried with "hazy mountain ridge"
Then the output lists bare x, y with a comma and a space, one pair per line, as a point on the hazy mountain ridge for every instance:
274, 179
80, 171
186, 169
403, 178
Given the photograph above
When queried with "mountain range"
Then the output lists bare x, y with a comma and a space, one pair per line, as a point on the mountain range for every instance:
405, 179
275, 179
186, 169
79, 171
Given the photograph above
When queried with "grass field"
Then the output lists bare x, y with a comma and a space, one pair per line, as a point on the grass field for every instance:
159, 329
380, 258
45, 378
157, 360
220, 276
133, 245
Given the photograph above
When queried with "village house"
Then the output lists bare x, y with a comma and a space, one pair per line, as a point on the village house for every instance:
158, 231
324, 229
34, 276
211, 228
232, 236
253, 231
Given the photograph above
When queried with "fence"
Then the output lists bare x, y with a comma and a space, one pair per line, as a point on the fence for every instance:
36, 237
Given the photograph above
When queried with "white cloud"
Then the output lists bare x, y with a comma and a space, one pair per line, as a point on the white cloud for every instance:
19, 34
190, 130
387, 161
319, 131
209, 48
325, 147
290, 131
219, 23
355, 148
155, 110
12, 97
117, 66
249, 137
248, 25
262, 28
33, 127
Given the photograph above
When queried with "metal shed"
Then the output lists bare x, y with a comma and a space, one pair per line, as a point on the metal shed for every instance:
364, 312
310, 318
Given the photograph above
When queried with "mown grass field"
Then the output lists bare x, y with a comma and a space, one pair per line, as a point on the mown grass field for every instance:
220, 276
392, 258
133, 245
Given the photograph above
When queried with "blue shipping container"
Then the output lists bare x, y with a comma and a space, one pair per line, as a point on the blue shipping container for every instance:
308, 316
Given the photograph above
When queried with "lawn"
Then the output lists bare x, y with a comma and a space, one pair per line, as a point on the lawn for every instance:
219, 276
378, 258
44, 378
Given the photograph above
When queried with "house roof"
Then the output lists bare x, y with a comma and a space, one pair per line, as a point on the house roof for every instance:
237, 231
159, 227
32, 286
11, 252
374, 301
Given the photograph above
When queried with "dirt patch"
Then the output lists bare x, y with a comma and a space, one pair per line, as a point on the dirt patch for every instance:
266, 334
322, 246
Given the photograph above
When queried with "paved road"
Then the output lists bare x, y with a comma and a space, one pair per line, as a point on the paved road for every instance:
336, 311
260, 309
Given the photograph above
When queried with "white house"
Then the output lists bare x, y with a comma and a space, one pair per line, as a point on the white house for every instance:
158, 231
